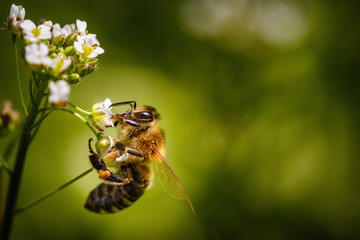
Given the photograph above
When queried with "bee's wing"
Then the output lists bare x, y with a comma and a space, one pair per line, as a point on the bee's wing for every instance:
168, 179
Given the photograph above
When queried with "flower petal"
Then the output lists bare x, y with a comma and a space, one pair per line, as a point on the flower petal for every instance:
66, 64
27, 25
31, 39
45, 34
46, 61
14, 11
56, 30
107, 103
78, 47
81, 26
22, 13
91, 40
96, 52
99, 50
68, 29
43, 49
47, 23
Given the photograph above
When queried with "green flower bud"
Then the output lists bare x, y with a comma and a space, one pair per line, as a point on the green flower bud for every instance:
64, 76
73, 78
69, 51
59, 40
86, 69
51, 48
71, 39
53, 55
52, 51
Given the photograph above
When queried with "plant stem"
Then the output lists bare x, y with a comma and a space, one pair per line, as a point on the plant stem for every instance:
1, 202
6, 154
18, 75
97, 134
11, 145
15, 180
40, 199
79, 109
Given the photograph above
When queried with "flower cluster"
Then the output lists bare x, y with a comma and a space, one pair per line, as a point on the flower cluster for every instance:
60, 56
61, 53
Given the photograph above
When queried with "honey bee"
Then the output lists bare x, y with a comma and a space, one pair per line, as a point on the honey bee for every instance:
142, 141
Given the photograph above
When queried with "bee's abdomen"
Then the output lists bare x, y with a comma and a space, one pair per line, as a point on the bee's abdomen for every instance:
110, 197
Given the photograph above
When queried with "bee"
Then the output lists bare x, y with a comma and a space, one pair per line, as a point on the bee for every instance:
143, 144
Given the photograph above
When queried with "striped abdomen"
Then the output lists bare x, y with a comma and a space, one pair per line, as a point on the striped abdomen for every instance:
110, 197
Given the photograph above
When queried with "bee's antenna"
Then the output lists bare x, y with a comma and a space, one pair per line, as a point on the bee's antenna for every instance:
123, 103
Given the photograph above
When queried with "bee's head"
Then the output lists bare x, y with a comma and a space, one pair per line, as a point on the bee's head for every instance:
138, 117
141, 115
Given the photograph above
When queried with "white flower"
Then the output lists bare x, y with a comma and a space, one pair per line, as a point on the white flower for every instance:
88, 46
17, 15
66, 30
81, 26
101, 115
36, 54
59, 93
36, 34
60, 64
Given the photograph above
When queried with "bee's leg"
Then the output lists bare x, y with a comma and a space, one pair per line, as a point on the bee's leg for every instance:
100, 167
120, 119
124, 103
131, 151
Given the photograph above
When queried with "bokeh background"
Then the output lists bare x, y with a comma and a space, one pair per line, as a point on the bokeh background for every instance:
260, 105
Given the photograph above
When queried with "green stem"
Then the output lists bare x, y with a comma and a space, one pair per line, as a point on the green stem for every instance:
5, 165
18, 75
11, 144
79, 109
97, 134
45, 196
15, 180
1, 202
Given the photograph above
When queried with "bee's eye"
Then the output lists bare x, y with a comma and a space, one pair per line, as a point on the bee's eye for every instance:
143, 115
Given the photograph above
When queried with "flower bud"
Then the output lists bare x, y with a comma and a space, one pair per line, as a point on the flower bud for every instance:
58, 40
16, 17
73, 78
51, 48
69, 51
71, 39
86, 69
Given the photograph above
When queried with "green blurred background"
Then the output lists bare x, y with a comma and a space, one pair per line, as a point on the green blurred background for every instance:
259, 101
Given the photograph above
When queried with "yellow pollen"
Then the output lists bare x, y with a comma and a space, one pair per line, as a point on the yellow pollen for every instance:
87, 50
36, 32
